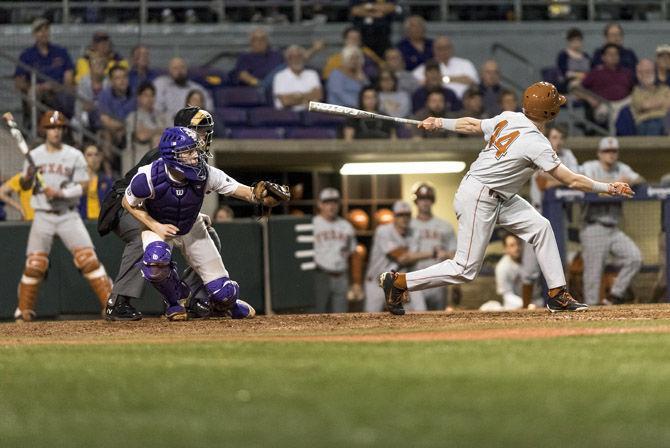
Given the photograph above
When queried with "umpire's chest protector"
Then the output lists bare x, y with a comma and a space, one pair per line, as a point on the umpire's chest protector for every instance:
174, 203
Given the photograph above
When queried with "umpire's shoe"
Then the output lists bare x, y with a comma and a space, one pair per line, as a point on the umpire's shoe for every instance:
563, 301
198, 309
393, 295
119, 308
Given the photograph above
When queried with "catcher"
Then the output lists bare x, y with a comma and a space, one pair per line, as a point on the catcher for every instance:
166, 197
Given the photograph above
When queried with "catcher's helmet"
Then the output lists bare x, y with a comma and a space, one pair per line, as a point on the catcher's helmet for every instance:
52, 119
542, 102
173, 146
200, 121
423, 190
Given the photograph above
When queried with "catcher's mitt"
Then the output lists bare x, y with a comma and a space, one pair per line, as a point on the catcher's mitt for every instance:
270, 194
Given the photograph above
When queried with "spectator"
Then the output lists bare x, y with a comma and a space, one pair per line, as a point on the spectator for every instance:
13, 186
345, 83
352, 37
650, 101
613, 33
434, 81
50, 60
572, 61
115, 103
355, 128
140, 72
473, 105
461, 72
295, 86
335, 256
600, 235
406, 81
259, 62
415, 47
98, 184
195, 98
101, 46
392, 101
172, 89
224, 214
145, 124
86, 113
610, 81
374, 20
508, 273
663, 64
508, 101
435, 107
491, 87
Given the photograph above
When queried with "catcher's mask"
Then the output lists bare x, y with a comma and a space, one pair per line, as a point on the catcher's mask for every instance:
200, 121
542, 102
180, 148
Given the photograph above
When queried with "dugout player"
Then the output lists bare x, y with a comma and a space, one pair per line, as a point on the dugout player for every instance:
129, 283
335, 256
508, 273
515, 147
600, 234
433, 235
63, 169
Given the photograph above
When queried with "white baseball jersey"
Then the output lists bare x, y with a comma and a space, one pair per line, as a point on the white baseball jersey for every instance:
431, 234
504, 165
334, 242
58, 169
606, 213
217, 181
508, 276
387, 239
568, 159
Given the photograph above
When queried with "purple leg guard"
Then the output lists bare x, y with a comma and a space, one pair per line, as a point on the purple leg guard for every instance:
157, 268
223, 292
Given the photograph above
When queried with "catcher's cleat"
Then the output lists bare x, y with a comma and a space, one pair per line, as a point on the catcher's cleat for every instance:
120, 309
24, 316
176, 312
198, 309
242, 310
563, 301
394, 296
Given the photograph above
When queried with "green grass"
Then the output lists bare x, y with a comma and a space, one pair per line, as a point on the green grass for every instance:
609, 391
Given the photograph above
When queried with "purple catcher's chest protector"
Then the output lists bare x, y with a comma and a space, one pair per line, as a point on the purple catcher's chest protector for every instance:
174, 203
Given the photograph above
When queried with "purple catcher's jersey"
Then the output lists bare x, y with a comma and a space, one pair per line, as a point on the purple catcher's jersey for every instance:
171, 202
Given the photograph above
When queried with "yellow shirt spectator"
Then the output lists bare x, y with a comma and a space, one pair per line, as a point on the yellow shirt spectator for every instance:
23, 206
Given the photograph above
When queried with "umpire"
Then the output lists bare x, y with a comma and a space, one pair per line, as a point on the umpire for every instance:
600, 234
129, 284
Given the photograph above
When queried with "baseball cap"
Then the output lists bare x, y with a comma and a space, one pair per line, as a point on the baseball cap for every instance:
401, 208
329, 194
608, 143
663, 48
100, 36
39, 23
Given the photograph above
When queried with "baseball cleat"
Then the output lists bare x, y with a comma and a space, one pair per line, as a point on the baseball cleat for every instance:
242, 310
24, 316
120, 309
176, 312
198, 309
565, 302
393, 296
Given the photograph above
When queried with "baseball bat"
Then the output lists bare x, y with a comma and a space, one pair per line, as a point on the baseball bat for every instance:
23, 147
334, 109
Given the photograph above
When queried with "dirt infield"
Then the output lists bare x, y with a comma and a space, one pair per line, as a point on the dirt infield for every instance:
355, 327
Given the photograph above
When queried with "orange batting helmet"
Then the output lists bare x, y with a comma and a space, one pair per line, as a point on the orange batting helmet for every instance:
359, 219
52, 119
542, 102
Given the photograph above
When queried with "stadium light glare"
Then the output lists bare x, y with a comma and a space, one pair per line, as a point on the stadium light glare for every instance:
354, 169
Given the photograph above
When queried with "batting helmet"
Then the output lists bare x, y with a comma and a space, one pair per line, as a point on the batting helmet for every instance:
542, 102
52, 119
383, 216
173, 145
423, 190
359, 219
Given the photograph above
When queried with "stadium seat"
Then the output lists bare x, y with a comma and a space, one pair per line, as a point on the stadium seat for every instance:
318, 119
239, 97
313, 132
257, 133
231, 116
269, 116
403, 132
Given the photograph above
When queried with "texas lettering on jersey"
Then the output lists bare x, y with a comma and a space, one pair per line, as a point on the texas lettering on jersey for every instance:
56, 168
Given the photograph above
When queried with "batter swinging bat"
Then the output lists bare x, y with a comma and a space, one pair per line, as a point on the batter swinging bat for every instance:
23, 146
334, 109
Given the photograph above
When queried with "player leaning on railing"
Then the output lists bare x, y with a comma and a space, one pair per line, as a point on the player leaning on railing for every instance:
515, 148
